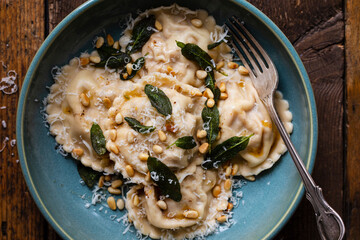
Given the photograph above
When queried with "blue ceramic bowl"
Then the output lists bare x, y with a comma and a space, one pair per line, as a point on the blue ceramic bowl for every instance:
53, 180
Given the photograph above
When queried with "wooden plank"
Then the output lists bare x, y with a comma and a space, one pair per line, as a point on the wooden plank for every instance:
21, 33
352, 36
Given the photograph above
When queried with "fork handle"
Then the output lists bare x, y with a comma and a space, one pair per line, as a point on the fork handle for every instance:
329, 223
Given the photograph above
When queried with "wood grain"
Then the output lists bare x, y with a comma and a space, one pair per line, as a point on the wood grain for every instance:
352, 31
21, 33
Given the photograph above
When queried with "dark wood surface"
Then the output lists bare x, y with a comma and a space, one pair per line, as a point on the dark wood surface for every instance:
326, 34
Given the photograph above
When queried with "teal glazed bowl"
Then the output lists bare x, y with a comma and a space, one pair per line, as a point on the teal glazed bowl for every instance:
53, 180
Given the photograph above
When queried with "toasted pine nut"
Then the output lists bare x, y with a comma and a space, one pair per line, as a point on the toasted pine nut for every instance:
101, 181
110, 146
120, 204
235, 169
158, 25
130, 170
99, 42
114, 191
84, 61
233, 65
220, 65
210, 103
85, 101
78, 151
116, 183
228, 171
250, 178
118, 118
216, 191
227, 184
110, 40
201, 134
196, 93
222, 87
107, 102
204, 148
162, 136
95, 59
130, 137
221, 219
129, 68
223, 96
125, 75
143, 156
112, 112
157, 149
112, 135
161, 204
201, 74
196, 22
148, 177
192, 214
208, 93
230, 206
111, 203
136, 200
116, 45
107, 178
243, 70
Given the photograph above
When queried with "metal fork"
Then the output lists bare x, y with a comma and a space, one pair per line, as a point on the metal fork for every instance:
265, 79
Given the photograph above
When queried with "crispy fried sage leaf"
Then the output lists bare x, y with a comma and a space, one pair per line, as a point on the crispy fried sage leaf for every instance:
141, 34
166, 180
112, 58
215, 44
137, 65
225, 151
187, 142
90, 176
210, 117
158, 100
97, 139
137, 126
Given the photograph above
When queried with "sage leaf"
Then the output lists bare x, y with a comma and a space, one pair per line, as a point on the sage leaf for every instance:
98, 141
112, 58
166, 180
187, 142
215, 44
137, 126
225, 151
158, 100
137, 65
141, 33
90, 176
211, 120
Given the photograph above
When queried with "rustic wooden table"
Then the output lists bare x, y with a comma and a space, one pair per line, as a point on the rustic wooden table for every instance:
326, 34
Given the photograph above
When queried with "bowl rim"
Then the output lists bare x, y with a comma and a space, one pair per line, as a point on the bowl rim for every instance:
91, 3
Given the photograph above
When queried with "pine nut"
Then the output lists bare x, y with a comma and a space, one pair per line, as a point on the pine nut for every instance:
208, 93
107, 102
201, 74
228, 171
230, 206
112, 112
158, 25
162, 136
204, 148
136, 200
223, 96
129, 68
112, 135
235, 169
161, 204
216, 191
95, 59
148, 177
143, 156
84, 61
130, 137
111, 203
85, 101
196, 22
243, 70
222, 87
116, 183
111, 147
250, 178
221, 219
196, 93
114, 191
125, 75
201, 134
227, 184
220, 65
101, 181
120, 204
99, 42
110, 40
130, 170
116, 45
119, 118
232, 65
192, 214
218, 136
210, 103
157, 149
78, 151
107, 178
